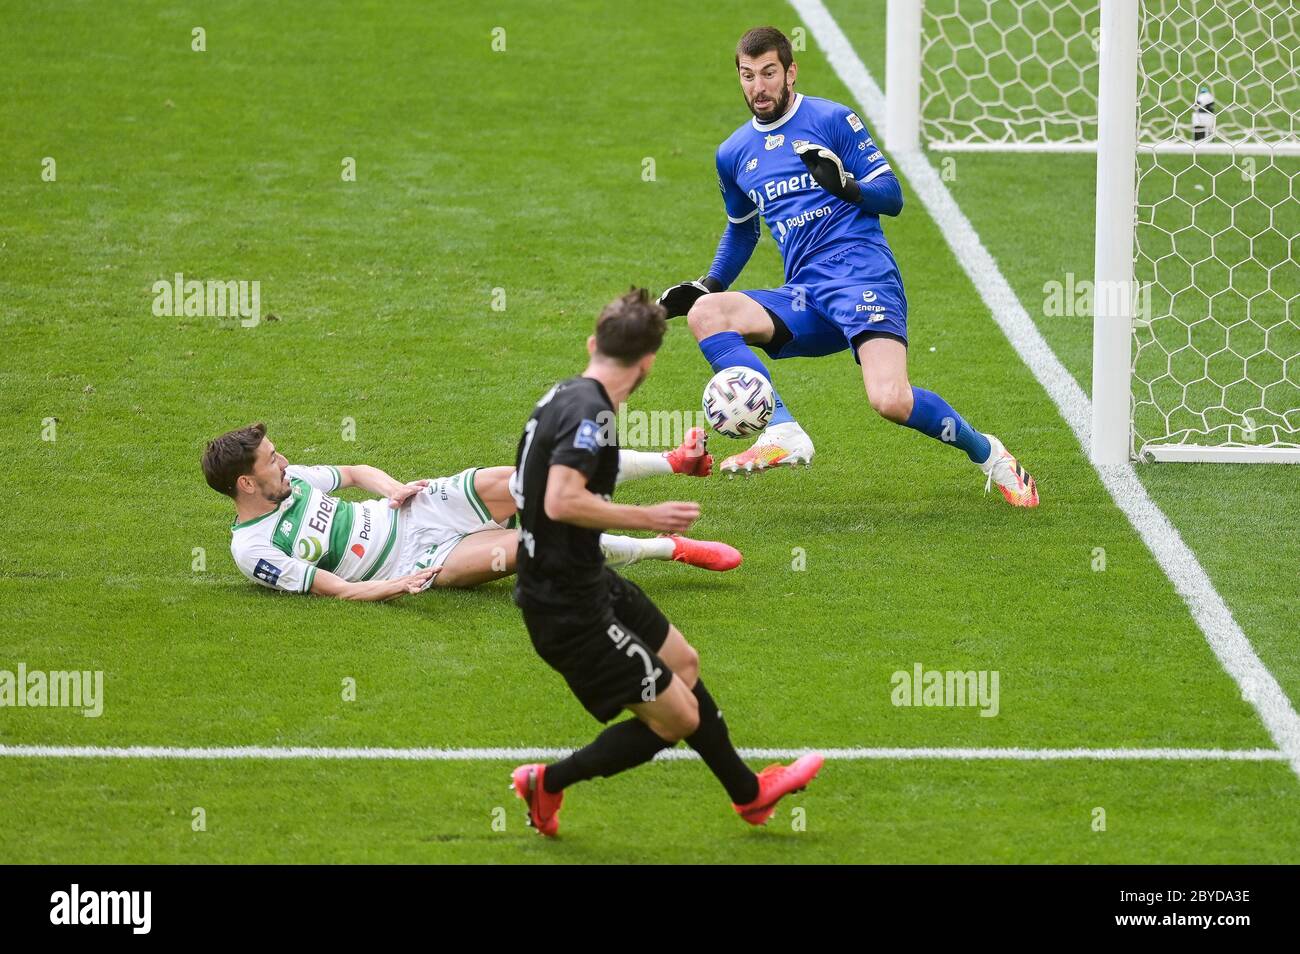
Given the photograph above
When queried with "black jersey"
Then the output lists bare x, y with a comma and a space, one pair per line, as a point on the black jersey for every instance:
559, 565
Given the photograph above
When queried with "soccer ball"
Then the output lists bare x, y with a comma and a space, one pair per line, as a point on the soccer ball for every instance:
739, 402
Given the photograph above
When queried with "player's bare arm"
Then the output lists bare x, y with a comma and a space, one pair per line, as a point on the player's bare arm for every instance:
569, 501
375, 481
327, 584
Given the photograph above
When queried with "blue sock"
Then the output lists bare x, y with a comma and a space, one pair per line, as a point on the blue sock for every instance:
727, 349
934, 416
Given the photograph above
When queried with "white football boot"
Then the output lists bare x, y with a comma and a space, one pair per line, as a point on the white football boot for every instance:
781, 445
1017, 486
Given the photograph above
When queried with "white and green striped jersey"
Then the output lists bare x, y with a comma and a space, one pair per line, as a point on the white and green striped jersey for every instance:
313, 530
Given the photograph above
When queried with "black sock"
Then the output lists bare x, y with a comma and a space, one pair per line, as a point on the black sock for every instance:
714, 745
622, 746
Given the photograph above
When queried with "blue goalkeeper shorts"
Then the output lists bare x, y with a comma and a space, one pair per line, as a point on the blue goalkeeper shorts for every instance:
836, 303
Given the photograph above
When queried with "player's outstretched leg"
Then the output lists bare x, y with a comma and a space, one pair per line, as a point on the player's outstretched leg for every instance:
621, 551
691, 457
722, 323
884, 373
488, 555
683, 711
754, 797
658, 725
478, 558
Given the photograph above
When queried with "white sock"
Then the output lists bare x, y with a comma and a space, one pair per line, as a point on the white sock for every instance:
624, 551
634, 464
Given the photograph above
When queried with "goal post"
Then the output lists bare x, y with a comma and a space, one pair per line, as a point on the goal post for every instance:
903, 75
1113, 302
1193, 110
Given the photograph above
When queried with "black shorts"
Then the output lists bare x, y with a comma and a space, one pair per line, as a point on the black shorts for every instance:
607, 651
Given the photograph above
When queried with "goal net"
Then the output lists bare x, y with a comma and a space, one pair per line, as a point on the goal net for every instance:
1214, 350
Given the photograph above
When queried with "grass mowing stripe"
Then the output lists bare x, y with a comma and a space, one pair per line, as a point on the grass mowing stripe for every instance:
1179, 563
673, 755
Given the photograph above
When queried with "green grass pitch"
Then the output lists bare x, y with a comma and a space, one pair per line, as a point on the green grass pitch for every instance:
522, 170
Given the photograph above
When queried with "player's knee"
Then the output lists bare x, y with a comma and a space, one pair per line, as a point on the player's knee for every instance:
707, 317
683, 721
892, 401
687, 723
688, 669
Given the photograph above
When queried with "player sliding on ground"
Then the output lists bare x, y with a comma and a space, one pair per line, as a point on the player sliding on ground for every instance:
809, 167
291, 534
613, 646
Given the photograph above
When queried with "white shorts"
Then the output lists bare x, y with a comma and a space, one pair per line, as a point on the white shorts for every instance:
438, 518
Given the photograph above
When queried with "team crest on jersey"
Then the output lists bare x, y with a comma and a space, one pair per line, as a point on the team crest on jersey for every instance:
752, 164
588, 436
774, 142
854, 123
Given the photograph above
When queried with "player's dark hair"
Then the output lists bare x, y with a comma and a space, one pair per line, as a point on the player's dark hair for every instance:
631, 327
762, 40
231, 456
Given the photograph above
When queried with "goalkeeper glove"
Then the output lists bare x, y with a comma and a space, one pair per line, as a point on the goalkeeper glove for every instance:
827, 169
679, 299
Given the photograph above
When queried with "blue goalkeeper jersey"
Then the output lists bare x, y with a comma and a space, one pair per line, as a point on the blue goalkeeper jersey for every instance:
760, 174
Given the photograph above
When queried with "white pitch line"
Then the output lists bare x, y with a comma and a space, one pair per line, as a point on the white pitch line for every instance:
1226, 639
281, 753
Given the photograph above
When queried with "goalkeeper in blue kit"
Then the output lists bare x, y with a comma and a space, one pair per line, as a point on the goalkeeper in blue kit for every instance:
810, 169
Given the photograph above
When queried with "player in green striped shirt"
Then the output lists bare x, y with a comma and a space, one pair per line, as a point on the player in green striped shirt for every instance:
291, 533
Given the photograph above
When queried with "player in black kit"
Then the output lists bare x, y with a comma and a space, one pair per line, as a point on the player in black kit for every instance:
606, 638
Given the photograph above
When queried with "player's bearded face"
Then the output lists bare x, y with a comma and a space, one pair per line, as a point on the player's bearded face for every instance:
767, 105
279, 490
273, 478
766, 90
